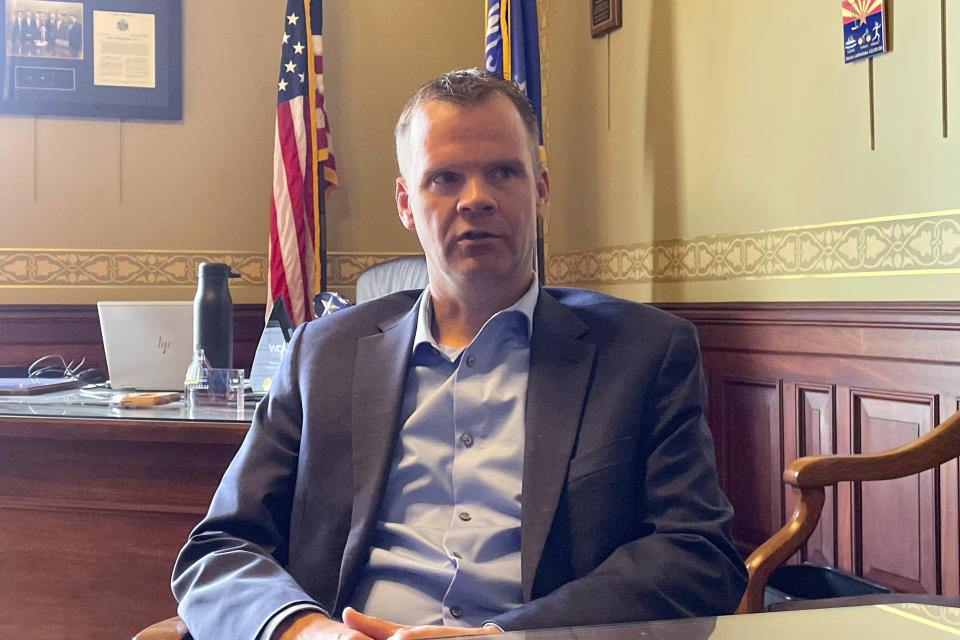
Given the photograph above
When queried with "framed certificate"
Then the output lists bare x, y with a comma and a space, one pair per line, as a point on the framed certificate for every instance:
92, 58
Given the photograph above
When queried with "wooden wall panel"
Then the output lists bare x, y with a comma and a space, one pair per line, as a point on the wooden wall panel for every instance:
751, 411
854, 376
816, 436
903, 510
950, 518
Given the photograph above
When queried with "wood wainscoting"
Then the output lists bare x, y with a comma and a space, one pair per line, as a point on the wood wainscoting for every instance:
28, 332
784, 380
787, 380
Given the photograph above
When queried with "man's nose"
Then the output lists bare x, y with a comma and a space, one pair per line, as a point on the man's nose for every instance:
476, 196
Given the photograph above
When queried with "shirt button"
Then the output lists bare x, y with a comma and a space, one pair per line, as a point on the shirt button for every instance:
456, 612
471, 360
466, 517
467, 440
456, 554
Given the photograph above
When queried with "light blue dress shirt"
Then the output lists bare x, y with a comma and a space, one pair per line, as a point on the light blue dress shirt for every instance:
446, 548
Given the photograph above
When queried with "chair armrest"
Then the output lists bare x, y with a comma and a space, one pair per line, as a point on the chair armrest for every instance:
169, 629
810, 474
776, 549
930, 450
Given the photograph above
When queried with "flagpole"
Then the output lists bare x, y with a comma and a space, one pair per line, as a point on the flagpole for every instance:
322, 232
541, 267
319, 235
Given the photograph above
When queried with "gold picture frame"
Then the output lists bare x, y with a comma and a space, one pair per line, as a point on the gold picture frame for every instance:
605, 16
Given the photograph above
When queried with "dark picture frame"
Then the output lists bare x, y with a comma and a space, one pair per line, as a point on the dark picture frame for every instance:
605, 16
116, 59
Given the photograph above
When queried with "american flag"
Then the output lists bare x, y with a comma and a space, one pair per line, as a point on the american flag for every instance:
302, 157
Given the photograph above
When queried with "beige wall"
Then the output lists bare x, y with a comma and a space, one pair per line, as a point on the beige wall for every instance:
685, 149
683, 144
101, 209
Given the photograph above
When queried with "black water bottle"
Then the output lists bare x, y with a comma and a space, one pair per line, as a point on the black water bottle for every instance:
213, 314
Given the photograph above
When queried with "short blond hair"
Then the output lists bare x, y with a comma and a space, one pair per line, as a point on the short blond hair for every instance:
470, 88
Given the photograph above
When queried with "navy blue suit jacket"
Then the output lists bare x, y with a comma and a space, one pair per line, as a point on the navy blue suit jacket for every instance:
622, 515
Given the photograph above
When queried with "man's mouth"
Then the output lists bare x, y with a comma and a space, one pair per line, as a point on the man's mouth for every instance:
475, 235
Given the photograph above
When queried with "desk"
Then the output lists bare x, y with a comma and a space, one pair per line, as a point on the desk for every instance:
94, 505
879, 622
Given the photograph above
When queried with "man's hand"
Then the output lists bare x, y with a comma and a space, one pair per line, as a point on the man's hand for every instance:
316, 626
379, 629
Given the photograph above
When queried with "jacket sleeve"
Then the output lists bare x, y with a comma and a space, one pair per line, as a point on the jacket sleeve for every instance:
680, 561
229, 578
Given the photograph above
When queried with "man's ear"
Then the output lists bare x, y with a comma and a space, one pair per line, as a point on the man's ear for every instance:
543, 192
403, 204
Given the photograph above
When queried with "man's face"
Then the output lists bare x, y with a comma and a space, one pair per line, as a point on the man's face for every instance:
472, 192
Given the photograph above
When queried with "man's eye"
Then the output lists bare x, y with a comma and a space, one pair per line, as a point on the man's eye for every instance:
445, 177
503, 172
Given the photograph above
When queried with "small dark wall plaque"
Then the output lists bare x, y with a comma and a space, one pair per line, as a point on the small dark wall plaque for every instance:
604, 16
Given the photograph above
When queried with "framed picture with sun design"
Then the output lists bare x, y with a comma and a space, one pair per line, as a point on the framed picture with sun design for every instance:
864, 29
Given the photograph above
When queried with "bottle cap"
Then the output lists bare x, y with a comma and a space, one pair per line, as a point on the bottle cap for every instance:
216, 269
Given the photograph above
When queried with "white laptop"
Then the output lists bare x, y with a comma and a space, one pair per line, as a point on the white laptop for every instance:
149, 345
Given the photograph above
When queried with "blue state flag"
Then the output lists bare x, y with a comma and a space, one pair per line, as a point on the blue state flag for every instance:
512, 48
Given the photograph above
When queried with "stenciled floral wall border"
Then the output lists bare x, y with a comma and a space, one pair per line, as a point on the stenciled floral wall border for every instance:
125, 268
926, 243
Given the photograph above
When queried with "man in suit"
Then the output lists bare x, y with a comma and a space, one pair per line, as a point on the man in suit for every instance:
60, 36
16, 34
29, 34
486, 455
74, 36
42, 28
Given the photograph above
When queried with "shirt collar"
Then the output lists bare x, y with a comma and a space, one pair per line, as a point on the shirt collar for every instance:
525, 305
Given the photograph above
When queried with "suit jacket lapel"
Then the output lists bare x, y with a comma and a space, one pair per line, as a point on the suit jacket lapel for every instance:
379, 374
560, 367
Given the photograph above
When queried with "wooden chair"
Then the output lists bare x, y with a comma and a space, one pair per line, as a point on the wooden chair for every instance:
808, 475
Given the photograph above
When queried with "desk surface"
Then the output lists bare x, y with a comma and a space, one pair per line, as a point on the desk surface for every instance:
89, 404
878, 622
71, 415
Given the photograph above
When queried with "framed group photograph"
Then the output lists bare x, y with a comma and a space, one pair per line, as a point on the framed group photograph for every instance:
92, 58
